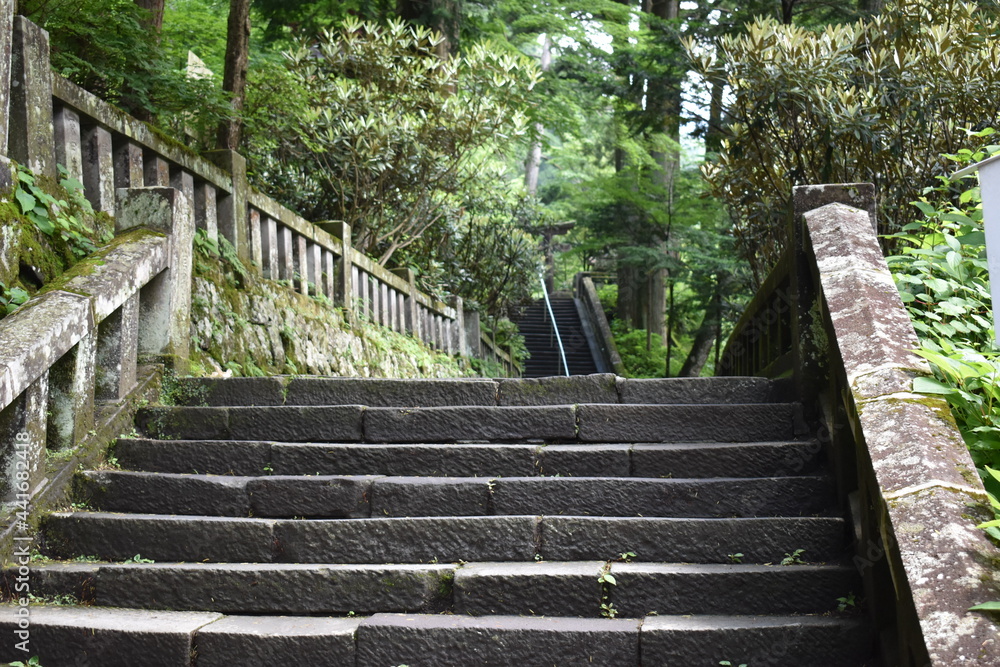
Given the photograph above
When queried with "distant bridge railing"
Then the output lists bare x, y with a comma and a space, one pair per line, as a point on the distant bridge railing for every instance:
829, 319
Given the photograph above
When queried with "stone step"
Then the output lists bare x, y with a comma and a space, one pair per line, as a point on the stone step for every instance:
118, 537
688, 460
640, 589
791, 641
328, 496
599, 423
250, 588
446, 641
70, 636
474, 589
461, 641
378, 392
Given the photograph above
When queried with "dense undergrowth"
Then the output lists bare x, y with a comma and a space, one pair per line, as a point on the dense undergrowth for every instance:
942, 276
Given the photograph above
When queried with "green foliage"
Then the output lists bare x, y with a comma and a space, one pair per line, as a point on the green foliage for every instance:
103, 46
393, 135
58, 218
640, 361
137, 559
793, 558
371, 127
33, 661
876, 101
11, 298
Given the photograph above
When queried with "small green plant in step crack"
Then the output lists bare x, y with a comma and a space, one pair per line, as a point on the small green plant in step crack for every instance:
735, 558
32, 662
846, 602
727, 663
138, 559
794, 558
607, 580
53, 600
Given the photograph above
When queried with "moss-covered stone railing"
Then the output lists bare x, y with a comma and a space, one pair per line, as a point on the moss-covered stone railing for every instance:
52, 121
830, 320
69, 358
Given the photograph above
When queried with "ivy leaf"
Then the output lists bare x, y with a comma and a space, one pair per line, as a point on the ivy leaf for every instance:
986, 606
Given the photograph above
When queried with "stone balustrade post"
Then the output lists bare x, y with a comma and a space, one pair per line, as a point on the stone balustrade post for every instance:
31, 139
23, 426
233, 220
165, 303
68, 143
71, 395
118, 351
99, 168
472, 331
6, 45
344, 278
411, 312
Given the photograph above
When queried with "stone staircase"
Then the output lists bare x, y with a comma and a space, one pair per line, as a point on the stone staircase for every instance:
582, 521
540, 340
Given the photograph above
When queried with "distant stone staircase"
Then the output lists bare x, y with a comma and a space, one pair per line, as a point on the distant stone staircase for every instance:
543, 346
454, 522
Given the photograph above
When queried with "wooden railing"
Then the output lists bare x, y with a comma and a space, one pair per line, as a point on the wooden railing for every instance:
830, 321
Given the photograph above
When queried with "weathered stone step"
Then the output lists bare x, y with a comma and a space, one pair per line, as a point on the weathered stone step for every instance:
475, 589
438, 539
791, 641
346, 496
377, 392
783, 641
599, 423
250, 588
574, 588
689, 460
460, 641
70, 636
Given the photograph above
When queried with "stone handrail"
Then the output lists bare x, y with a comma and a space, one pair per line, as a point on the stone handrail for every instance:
70, 355
830, 319
584, 290
52, 121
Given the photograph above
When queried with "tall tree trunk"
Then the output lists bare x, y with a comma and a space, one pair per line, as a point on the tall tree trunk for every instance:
155, 20
443, 16
707, 332
534, 161
669, 164
234, 80
870, 6
713, 138
786, 11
